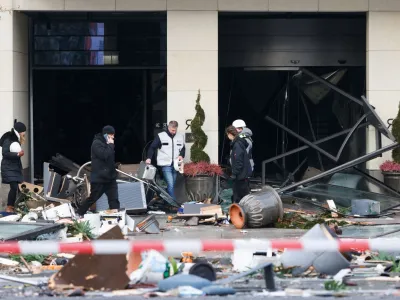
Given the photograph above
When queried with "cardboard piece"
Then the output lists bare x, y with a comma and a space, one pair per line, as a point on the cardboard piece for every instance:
94, 272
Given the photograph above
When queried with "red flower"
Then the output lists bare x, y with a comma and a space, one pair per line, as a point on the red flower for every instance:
202, 168
390, 166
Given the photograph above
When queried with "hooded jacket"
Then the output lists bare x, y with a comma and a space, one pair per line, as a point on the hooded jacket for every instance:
11, 166
247, 134
103, 161
241, 168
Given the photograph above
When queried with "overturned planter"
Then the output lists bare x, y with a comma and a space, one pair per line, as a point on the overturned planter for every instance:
329, 263
257, 210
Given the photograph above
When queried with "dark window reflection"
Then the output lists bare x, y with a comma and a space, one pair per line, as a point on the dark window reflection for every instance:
91, 99
133, 43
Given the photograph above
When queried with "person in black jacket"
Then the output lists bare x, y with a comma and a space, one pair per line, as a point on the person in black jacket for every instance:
11, 166
103, 177
240, 162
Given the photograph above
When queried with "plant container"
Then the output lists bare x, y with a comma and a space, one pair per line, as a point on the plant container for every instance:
201, 188
257, 210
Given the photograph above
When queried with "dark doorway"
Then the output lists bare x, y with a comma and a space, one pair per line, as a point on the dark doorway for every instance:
281, 95
71, 106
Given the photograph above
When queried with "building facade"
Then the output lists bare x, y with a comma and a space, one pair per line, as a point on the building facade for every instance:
192, 52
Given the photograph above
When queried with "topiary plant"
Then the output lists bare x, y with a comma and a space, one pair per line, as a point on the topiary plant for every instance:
396, 134
394, 166
197, 153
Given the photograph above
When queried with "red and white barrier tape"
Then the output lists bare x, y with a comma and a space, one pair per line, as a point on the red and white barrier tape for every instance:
195, 246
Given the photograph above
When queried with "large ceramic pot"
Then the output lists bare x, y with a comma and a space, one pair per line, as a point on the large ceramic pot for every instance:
257, 210
392, 179
201, 188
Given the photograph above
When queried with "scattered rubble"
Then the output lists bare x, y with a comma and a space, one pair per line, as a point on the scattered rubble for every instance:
47, 213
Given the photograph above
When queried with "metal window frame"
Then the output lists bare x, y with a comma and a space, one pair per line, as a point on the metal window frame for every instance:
372, 119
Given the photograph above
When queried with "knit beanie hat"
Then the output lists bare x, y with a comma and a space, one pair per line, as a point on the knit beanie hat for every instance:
19, 127
108, 130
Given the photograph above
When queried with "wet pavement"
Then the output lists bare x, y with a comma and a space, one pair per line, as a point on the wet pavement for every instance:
177, 230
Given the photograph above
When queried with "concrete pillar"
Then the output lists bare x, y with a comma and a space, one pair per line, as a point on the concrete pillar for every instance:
14, 71
192, 65
383, 65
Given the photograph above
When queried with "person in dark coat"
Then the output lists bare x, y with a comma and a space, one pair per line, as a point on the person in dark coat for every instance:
103, 177
240, 162
11, 166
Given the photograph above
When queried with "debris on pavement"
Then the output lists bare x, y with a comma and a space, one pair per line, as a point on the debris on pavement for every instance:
50, 214
149, 225
323, 262
94, 272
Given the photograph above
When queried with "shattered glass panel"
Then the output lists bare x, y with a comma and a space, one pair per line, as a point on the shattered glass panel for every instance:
342, 196
355, 180
12, 229
365, 232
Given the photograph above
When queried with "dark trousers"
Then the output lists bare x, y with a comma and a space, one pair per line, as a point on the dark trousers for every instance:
12, 194
96, 191
240, 189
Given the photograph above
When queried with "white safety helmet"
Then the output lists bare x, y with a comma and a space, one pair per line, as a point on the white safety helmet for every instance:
178, 165
15, 147
239, 124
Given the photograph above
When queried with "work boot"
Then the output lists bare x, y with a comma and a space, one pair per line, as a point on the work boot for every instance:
10, 209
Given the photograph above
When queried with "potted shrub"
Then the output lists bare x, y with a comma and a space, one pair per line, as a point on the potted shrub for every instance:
391, 168
200, 174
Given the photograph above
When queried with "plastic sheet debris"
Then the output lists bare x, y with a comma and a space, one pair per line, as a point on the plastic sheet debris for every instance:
153, 268
188, 291
243, 259
11, 218
30, 217
58, 212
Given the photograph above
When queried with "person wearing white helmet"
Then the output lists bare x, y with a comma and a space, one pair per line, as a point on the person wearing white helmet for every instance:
11, 165
246, 134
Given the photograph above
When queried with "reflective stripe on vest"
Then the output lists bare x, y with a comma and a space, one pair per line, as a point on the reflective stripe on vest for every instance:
170, 148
